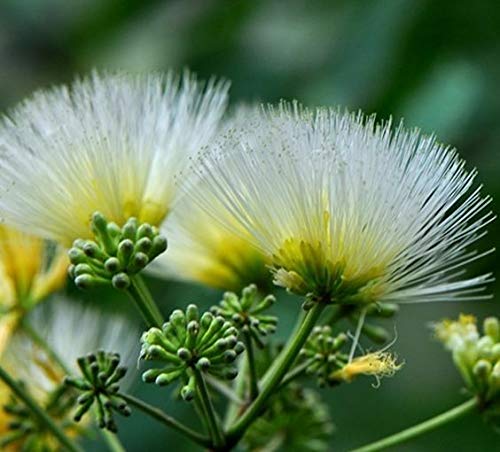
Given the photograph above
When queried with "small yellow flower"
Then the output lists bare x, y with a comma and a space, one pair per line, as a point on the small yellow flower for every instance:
30, 270
379, 364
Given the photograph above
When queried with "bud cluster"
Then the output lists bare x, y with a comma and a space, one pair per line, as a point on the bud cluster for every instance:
26, 432
188, 343
116, 254
246, 313
99, 384
476, 356
323, 353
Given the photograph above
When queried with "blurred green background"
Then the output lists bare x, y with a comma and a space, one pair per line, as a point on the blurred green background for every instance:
434, 63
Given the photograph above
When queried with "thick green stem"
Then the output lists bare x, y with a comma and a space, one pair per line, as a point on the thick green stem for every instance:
424, 427
167, 420
144, 302
275, 374
38, 412
209, 410
252, 370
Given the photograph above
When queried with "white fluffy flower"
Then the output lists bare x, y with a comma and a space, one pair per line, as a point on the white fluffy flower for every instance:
108, 143
347, 209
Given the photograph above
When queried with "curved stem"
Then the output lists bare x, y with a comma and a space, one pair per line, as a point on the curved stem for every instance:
142, 298
252, 370
211, 416
424, 427
38, 412
275, 374
159, 415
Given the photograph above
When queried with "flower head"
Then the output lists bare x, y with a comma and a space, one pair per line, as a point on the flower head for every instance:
346, 210
30, 270
108, 143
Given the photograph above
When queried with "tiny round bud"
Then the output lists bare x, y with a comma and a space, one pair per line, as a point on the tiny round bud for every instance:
120, 281
144, 245
112, 265
203, 364
187, 393
84, 282
184, 354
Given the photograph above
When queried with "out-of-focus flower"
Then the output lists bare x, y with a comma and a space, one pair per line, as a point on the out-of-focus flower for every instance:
30, 270
346, 210
476, 356
111, 143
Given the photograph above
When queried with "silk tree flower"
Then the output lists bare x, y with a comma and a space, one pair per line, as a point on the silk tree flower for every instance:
111, 143
348, 210
30, 270
70, 330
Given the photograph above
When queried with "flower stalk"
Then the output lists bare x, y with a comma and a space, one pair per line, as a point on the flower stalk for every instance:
275, 374
424, 427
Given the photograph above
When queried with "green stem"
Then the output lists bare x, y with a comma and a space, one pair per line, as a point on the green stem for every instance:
275, 374
424, 427
159, 415
210, 414
142, 298
252, 370
233, 409
296, 372
39, 412
112, 441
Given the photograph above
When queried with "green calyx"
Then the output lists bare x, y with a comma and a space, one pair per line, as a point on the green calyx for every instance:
26, 432
99, 386
323, 354
116, 254
189, 342
247, 313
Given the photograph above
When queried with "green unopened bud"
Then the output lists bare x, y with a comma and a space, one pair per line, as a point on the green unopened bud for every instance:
112, 265
492, 328
121, 281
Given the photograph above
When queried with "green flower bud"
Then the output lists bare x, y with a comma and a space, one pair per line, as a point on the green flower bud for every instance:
99, 386
205, 344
